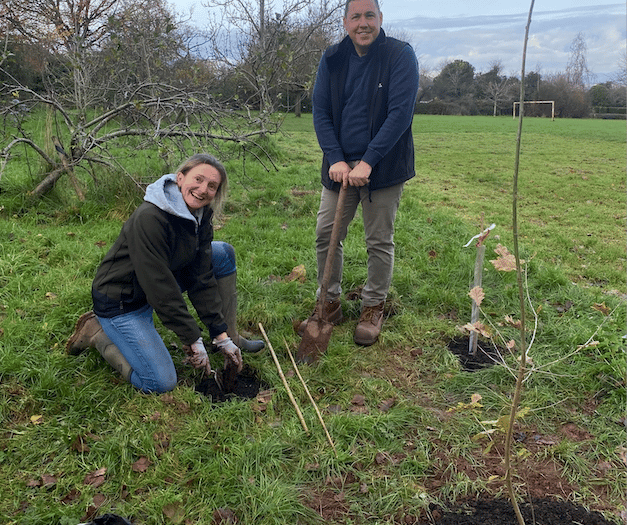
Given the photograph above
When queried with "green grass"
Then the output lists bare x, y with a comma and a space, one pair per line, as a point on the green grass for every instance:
253, 456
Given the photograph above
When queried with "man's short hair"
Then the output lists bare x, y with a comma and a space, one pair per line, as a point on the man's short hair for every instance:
376, 3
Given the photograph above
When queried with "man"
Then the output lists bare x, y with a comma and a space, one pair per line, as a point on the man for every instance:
363, 104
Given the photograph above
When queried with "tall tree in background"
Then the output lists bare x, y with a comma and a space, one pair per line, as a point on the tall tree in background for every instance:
273, 50
456, 80
577, 72
495, 87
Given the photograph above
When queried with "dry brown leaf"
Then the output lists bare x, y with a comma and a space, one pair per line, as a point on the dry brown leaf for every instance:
79, 445
141, 465
506, 262
298, 273
384, 406
477, 295
601, 308
99, 500
478, 327
48, 481
511, 322
358, 400
224, 516
174, 512
96, 478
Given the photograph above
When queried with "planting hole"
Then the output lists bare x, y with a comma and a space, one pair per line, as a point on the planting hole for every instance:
247, 386
485, 356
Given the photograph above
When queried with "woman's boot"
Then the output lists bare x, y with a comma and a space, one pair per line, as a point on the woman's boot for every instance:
89, 334
228, 294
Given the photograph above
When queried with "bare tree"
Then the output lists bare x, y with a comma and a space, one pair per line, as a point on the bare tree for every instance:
272, 50
577, 71
123, 84
495, 86
185, 118
620, 77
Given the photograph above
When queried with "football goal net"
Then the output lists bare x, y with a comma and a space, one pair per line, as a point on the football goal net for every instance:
540, 108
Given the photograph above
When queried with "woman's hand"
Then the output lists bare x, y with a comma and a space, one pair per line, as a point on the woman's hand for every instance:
230, 351
197, 355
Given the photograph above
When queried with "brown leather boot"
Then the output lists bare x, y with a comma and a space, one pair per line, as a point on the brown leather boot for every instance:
89, 334
87, 327
369, 325
332, 313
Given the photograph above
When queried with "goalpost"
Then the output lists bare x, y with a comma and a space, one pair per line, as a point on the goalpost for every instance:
552, 102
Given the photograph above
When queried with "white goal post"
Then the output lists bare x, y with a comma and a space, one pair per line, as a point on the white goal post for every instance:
552, 102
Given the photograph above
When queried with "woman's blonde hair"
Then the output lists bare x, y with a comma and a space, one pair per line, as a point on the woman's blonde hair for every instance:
205, 158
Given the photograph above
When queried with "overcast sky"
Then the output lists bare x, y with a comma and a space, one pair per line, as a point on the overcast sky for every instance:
484, 31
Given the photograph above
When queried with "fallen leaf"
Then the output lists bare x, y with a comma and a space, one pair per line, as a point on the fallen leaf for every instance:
51, 295
384, 406
71, 496
224, 516
141, 465
601, 308
96, 478
174, 512
99, 500
298, 274
380, 458
48, 481
36, 420
358, 400
79, 445
477, 295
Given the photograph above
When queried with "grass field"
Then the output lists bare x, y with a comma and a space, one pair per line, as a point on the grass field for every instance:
76, 441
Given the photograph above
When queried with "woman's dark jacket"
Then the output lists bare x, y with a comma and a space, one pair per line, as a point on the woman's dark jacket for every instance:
161, 250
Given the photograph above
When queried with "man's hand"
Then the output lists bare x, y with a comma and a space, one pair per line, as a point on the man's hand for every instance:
339, 171
231, 353
360, 174
197, 355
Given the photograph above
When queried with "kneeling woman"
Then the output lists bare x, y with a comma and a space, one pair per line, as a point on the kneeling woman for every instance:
166, 248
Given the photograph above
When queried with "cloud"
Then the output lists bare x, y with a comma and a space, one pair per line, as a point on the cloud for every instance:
481, 40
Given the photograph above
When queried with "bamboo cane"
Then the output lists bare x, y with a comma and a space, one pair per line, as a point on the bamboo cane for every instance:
313, 402
287, 387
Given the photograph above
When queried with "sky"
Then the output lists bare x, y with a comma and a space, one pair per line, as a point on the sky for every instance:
482, 32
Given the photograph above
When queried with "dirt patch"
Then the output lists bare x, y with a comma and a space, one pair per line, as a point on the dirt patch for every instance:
246, 386
501, 512
486, 354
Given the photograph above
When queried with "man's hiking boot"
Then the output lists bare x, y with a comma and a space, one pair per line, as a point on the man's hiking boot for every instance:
369, 325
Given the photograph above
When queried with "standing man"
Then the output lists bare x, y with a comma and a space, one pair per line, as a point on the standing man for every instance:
363, 106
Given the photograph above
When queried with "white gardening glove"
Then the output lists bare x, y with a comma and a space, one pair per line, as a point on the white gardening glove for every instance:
231, 353
197, 355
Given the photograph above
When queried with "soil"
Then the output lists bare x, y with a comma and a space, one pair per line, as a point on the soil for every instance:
485, 355
246, 385
501, 512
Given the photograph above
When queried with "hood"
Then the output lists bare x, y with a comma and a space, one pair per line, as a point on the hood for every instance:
165, 194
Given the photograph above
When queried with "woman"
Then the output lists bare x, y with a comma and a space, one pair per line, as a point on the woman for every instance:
164, 249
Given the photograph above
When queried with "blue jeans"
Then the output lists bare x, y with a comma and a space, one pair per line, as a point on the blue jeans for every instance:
134, 333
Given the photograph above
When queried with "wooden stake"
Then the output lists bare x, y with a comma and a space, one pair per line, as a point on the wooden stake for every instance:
310, 397
287, 387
